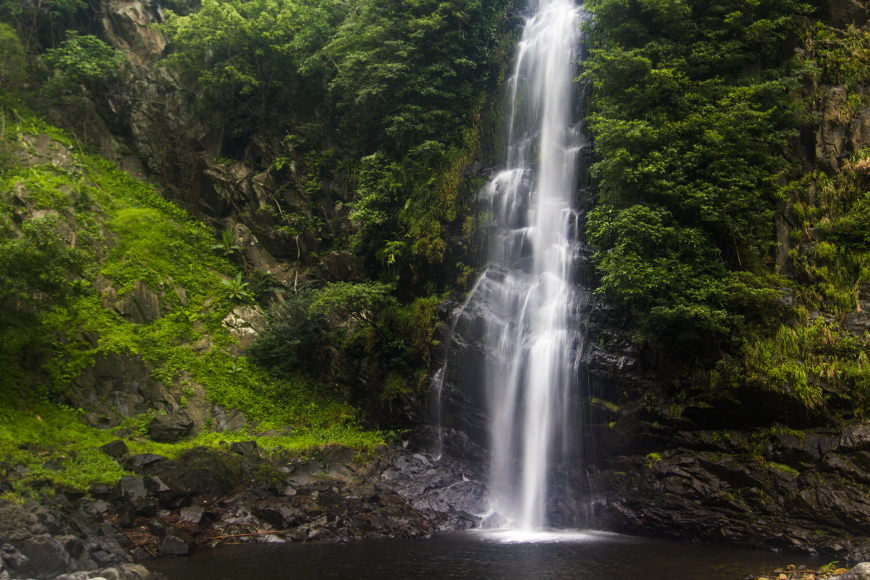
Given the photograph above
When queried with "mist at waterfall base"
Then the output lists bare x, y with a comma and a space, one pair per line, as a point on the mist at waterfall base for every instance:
479, 555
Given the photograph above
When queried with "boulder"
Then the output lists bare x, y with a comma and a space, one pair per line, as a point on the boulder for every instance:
859, 572
116, 448
192, 514
170, 428
141, 306
132, 488
846, 12
144, 461
47, 556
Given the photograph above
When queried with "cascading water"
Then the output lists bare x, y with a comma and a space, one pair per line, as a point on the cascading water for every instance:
533, 337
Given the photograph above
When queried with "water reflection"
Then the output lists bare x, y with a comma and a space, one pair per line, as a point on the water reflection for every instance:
507, 555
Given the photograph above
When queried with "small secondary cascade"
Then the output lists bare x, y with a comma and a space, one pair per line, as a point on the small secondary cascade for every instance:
534, 339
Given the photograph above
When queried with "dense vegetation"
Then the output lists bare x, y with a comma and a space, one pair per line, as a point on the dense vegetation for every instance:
696, 111
58, 221
392, 91
395, 95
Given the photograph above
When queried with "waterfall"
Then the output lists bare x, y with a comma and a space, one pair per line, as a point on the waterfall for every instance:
533, 336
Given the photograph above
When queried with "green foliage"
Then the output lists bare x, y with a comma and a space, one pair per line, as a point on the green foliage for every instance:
36, 267
842, 56
31, 436
691, 103
253, 59
82, 63
395, 340
836, 264
398, 83
294, 339
409, 72
12, 63
236, 289
228, 243
157, 244
652, 459
42, 24
363, 302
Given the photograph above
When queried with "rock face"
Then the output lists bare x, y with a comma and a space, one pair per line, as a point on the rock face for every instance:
712, 490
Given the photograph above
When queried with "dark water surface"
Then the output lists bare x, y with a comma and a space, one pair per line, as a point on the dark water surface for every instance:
480, 555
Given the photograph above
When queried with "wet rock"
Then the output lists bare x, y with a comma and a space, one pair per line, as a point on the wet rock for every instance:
279, 516
132, 488
154, 485
493, 521
46, 555
126, 516
116, 448
176, 543
145, 461
859, 572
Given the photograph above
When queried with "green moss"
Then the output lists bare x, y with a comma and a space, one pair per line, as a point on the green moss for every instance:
610, 406
652, 459
155, 243
784, 468
31, 435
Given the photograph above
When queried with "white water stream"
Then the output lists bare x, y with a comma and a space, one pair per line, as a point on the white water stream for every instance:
534, 340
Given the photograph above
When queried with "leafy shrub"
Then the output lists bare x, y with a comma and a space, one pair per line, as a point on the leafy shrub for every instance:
294, 339
36, 267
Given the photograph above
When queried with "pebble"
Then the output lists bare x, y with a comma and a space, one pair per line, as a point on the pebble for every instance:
792, 572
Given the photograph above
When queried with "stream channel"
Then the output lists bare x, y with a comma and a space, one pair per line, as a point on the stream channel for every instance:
499, 555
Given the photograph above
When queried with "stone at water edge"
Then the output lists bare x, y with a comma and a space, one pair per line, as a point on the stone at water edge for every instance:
859, 572
176, 543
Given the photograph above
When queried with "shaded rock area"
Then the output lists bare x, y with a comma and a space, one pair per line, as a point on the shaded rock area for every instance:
211, 497
715, 490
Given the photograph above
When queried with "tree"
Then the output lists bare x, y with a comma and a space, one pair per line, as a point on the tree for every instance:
690, 112
253, 60
82, 63
362, 302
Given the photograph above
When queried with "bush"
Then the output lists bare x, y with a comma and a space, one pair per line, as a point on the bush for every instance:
294, 339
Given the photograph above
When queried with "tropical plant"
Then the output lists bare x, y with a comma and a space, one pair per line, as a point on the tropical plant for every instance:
228, 243
236, 289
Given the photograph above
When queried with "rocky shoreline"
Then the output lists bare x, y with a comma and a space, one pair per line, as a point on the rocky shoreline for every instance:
859, 572
240, 494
